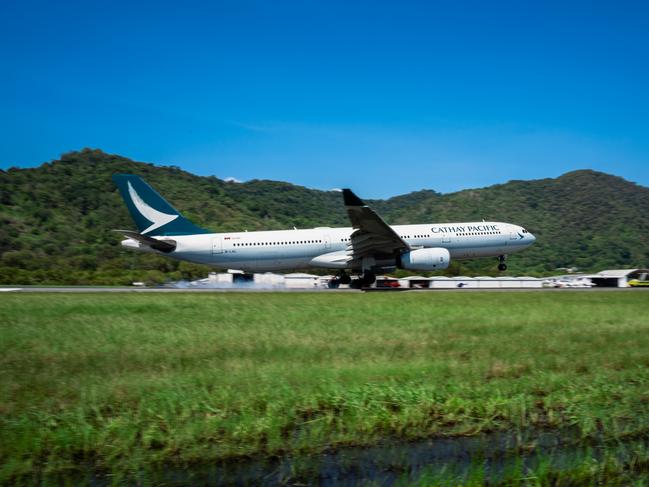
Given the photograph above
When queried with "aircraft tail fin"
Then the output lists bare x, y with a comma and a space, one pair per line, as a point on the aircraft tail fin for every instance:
152, 214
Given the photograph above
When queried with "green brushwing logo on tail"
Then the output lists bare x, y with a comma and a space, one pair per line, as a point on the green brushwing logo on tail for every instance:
152, 214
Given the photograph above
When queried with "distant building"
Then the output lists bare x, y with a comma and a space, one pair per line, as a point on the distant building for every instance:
618, 277
300, 280
460, 282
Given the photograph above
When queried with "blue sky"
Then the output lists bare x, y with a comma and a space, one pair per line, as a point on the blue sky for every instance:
383, 97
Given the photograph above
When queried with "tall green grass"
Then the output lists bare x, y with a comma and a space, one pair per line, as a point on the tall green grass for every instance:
130, 381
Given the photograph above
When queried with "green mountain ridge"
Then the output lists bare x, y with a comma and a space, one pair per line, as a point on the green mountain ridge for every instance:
57, 219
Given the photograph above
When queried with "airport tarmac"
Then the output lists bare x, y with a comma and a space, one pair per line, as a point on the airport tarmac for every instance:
130, 289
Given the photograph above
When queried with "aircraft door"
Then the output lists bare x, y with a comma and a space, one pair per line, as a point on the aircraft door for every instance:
327, 241
446, 238
217, 245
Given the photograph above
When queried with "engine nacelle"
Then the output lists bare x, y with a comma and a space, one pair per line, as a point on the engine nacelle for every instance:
425, 259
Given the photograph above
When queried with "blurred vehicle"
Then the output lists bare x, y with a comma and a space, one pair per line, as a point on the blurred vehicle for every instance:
391, 283
568, 282
638, 283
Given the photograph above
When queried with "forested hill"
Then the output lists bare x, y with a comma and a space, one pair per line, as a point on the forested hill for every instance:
57, 218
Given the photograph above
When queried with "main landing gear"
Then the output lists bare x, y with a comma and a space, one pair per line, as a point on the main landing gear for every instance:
345, 278
364, 280
501, 263
342, 278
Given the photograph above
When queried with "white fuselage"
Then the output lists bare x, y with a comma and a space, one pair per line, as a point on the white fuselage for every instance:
326, 247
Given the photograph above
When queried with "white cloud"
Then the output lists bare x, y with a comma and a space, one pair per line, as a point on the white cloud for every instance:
230, 179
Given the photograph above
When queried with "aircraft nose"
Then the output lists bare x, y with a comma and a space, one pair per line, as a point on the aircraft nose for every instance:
532, 238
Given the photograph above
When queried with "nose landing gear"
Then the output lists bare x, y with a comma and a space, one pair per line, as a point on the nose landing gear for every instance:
501, 263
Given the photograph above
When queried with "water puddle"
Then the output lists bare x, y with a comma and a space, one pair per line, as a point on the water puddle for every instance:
402, 462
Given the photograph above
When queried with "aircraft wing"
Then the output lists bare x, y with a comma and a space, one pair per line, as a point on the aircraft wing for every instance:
372, 237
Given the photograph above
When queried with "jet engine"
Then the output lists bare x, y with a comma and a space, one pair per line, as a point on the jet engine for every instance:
424, 259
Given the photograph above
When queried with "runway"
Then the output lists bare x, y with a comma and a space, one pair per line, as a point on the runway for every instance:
131, 289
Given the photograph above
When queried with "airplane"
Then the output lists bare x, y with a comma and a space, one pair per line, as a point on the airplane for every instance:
369, 246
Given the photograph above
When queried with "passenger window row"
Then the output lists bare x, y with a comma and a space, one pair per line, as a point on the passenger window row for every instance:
256, 244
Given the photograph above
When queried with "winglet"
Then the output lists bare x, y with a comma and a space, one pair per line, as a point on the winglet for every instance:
351, 199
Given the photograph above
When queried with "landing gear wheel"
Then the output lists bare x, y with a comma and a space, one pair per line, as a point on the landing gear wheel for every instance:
502, 267
368, 278
356, 284
364, 280
345, 278
334, 283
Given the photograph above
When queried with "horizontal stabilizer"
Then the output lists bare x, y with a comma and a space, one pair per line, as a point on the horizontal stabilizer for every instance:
166, 245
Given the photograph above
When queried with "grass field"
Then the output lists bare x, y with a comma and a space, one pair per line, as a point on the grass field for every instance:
125, 382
